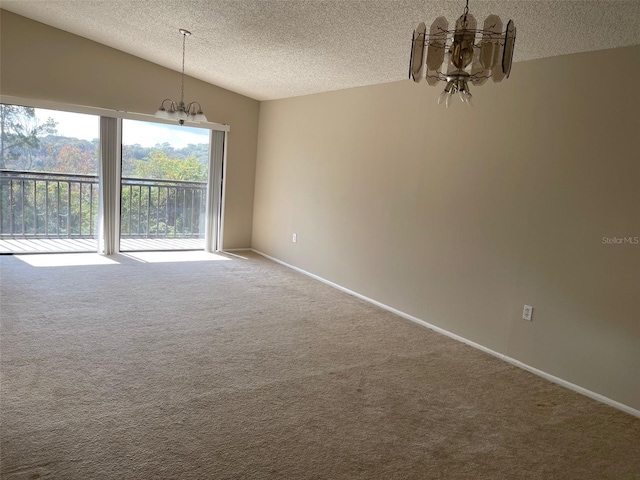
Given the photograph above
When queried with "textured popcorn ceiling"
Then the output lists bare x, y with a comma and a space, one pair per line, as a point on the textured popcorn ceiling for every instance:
269, 49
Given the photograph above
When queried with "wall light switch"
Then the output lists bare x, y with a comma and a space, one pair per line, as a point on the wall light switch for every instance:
527, 313
294, 239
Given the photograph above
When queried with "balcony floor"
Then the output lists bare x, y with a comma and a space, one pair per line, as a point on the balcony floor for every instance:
66, 245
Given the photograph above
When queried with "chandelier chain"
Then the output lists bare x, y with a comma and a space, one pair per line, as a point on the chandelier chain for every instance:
184, 39
464, 15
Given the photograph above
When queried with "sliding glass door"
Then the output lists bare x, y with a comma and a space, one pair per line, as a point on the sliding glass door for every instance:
75, 182
163, 186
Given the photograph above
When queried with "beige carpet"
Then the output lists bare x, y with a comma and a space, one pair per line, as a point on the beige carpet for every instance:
245, 369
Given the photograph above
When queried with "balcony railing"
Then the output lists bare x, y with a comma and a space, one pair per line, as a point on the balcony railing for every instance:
55, 205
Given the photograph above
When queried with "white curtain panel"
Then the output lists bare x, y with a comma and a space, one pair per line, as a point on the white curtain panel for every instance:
110, 164
213, 222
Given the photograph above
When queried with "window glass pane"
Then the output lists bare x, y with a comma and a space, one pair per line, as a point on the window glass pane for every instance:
164, 175
48, 180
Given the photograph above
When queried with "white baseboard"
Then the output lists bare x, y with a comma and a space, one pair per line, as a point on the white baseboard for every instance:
574, 387
513, 361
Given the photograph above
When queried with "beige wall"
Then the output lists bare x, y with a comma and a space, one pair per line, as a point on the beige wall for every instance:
41, 62
461, 216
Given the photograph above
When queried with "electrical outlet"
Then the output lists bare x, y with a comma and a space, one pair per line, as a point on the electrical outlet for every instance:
294, 239
527, 313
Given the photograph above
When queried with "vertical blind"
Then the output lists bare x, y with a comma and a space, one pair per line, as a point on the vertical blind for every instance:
214, 192
110, 164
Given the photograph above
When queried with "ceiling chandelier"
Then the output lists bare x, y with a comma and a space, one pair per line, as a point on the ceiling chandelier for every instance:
461, 56
178, 110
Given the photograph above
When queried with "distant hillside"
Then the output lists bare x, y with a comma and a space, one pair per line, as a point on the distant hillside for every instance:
55, 153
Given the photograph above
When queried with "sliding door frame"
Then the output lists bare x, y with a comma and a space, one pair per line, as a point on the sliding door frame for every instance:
109, 172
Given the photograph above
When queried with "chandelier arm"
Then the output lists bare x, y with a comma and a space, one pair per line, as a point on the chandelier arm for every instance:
445, 33
193, 105
173, 104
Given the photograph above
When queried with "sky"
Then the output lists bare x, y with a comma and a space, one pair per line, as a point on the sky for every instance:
146, 134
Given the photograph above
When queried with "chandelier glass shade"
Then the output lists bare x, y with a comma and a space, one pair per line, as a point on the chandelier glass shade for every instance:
462, 56
179, 111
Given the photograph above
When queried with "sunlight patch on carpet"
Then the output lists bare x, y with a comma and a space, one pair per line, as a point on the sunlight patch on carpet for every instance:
169, 257
66, 260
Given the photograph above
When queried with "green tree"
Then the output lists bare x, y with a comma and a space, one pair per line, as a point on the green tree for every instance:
160, 166
20, 130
